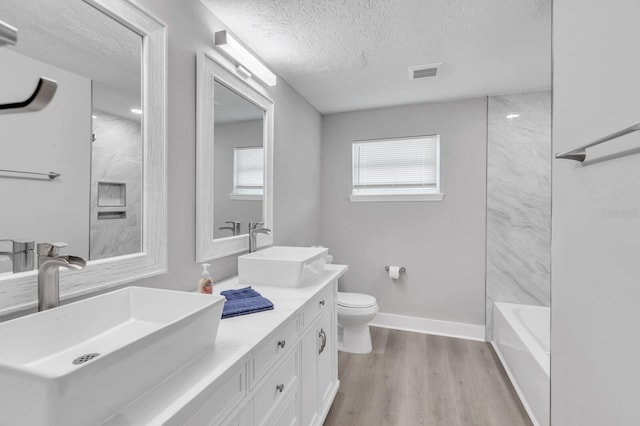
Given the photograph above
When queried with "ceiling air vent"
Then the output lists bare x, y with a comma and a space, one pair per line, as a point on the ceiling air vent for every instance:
423, 71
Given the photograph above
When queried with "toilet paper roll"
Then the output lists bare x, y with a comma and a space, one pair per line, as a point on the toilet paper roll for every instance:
394, 272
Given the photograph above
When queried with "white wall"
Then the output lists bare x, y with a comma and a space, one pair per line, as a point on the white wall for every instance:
595, 289
442, 244
57, 138
296, 177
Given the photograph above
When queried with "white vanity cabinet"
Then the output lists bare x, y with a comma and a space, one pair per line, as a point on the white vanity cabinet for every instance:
278, 367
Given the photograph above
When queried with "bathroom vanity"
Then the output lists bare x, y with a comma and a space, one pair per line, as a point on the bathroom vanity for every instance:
277, 367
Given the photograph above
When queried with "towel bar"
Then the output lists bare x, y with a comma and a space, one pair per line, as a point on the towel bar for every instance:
579, 154
51, 175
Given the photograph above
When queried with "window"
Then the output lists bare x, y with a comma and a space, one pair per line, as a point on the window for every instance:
248, 173
403, 169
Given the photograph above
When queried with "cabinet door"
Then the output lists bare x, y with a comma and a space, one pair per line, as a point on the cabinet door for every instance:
308, 374
326, 359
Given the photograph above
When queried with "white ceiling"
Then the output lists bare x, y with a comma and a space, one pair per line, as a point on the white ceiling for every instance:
346, 55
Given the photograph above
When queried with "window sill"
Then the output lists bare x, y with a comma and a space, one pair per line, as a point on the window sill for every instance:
245, 197
395, 197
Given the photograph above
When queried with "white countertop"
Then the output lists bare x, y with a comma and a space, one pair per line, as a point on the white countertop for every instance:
178, 397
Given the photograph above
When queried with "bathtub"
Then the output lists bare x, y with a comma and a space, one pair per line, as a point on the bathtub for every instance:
521, 337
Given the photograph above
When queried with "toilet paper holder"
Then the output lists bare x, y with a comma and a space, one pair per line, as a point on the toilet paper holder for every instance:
402, 269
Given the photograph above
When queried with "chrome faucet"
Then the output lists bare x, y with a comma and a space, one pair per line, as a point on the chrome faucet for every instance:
21, 255
234, 227
49, 262
256, 228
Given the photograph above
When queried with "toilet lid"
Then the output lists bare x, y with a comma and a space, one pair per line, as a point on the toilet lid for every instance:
355, 300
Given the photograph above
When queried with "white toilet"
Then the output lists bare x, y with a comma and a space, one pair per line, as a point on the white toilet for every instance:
355, 310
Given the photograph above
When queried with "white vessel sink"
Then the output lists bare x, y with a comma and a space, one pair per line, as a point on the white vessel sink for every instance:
281, 266
142, 335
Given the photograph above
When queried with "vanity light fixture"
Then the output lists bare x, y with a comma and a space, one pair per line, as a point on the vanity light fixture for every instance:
243, 71
510, 116
8, 34
136, 111
244, 58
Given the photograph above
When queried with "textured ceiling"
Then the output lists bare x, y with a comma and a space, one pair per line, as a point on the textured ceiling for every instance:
353, 54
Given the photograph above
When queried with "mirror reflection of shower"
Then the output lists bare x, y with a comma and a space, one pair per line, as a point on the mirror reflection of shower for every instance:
116, 174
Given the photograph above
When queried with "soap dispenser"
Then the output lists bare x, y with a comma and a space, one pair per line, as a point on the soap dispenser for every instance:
205, 285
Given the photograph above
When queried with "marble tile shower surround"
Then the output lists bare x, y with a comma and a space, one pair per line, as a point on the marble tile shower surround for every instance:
116, 157
518, 201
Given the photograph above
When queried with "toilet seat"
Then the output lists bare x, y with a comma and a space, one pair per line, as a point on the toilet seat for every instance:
355, 300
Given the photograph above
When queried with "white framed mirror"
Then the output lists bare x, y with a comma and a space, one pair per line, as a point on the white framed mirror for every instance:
115, 56
234, 180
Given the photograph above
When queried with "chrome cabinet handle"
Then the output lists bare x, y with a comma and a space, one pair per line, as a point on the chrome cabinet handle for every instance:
322, 302
281, 343
280, 387
324, 340
323, 336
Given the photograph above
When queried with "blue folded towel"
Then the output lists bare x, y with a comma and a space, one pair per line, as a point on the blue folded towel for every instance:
244, 301
242, 293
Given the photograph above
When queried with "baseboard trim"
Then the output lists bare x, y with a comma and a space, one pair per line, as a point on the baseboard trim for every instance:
430, 326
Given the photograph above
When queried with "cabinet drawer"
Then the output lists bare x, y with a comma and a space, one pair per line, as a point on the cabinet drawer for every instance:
289, 415
269, 352
227, 396
276, 388
314, 306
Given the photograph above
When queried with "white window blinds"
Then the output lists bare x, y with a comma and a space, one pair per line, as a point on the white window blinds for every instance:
396, 166
248, 170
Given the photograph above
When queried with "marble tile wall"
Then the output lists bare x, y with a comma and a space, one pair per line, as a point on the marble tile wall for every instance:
518, 200
116, 158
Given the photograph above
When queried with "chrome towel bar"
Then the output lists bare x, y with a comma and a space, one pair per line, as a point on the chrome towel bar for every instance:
51, 175
579, 154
